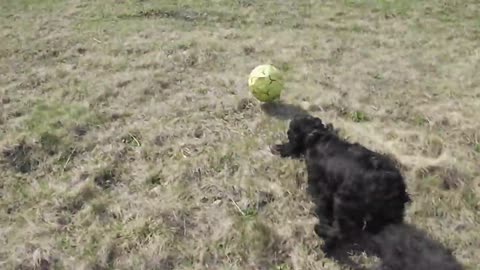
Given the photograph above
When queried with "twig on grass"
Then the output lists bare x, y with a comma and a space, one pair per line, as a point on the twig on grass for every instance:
238, 207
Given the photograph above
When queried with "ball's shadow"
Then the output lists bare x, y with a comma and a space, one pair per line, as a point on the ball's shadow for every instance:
282, 110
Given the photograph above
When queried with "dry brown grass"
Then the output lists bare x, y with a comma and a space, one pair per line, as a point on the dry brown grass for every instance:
129, 140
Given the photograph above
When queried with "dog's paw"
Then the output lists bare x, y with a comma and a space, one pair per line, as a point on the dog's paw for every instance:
329, 246
276, 149
286, 151
280, 150
323, 230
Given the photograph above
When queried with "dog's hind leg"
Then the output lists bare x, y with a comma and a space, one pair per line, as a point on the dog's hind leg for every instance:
347, 224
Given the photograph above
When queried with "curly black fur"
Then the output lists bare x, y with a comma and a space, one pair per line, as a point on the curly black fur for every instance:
354, 189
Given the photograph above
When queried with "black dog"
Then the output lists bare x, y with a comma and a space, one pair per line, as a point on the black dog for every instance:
354, 189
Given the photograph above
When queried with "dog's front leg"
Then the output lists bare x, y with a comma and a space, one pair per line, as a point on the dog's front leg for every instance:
323, 207
286, 150
329, 234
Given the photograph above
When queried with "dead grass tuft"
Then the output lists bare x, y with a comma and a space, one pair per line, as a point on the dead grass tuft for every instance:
22, 157
450, 177
106, 178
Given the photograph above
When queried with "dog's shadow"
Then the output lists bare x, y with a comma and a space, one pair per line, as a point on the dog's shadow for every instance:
398, 247
283, 110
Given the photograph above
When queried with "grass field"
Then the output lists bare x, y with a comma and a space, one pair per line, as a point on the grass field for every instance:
128, 139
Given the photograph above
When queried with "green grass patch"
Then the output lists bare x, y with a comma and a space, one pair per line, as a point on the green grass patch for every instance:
420, 120
57, 127
250, 212
472, 200
477, 147
9, 7
387, 7
257, 241
57, 118
358, 116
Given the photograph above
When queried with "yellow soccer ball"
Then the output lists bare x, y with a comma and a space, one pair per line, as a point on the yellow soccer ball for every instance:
266, 83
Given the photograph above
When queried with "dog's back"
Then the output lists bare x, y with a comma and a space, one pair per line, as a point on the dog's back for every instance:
379, 195
369, 191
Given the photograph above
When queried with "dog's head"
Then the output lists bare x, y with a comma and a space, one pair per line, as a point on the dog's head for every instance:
303, 131
302, 126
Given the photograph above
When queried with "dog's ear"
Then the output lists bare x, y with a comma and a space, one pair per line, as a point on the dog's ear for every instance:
330, 127
319, 124
313, 138
299, 119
